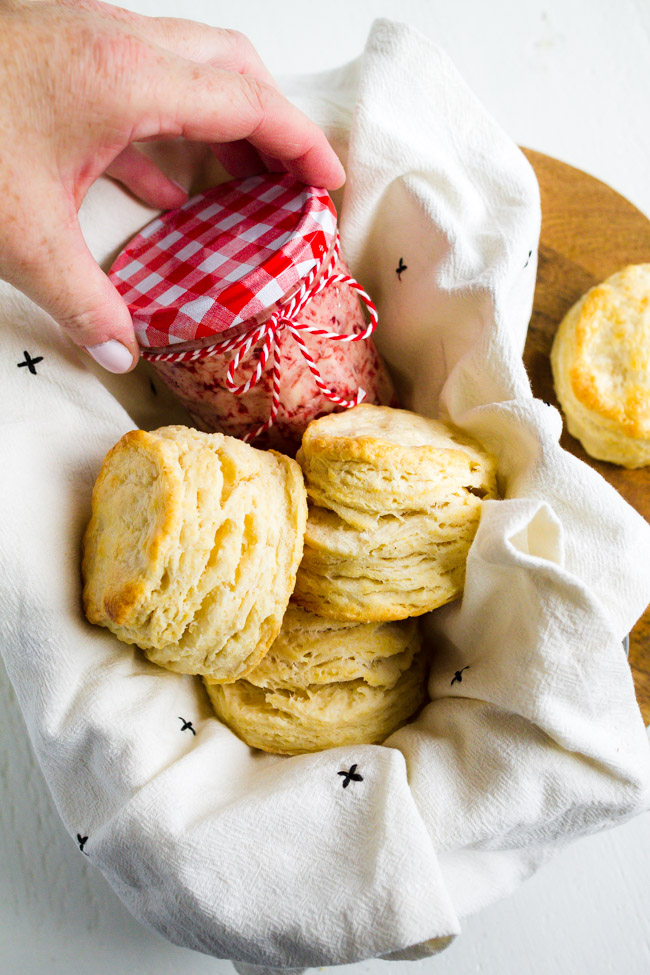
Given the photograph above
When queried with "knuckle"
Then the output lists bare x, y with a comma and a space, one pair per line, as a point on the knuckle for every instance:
241, 52
236, 39
79, 324
256, 95
83, 316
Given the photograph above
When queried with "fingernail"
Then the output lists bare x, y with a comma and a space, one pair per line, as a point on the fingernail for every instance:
342, 174
111, 355
181, 188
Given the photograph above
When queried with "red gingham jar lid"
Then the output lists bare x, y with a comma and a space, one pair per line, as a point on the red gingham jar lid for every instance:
226, 256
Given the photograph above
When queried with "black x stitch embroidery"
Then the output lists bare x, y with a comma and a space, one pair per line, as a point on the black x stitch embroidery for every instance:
186, 725
351, 776
82, 840
530, 254
29, 362
401, 267
458, 676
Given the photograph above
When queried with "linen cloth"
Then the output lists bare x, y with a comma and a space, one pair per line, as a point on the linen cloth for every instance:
533, 735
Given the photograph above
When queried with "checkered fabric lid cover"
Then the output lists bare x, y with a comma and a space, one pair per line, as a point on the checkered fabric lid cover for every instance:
226, 256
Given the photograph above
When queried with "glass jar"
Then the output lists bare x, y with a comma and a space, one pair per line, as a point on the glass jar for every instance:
242, 303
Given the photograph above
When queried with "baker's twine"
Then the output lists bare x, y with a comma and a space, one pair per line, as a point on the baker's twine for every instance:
285, 316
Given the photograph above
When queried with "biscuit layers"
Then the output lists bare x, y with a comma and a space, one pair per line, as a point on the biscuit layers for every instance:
324, 684
311, 650
395, 501
192, 548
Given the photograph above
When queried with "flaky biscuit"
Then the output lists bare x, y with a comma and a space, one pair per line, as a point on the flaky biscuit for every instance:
374, 460
192, 548
395, 501
369, 580
601, 368
311, 650
292, 721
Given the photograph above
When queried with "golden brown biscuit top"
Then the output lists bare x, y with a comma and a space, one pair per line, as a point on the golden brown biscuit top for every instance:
385, 436
610, 372
376, 460
192, 548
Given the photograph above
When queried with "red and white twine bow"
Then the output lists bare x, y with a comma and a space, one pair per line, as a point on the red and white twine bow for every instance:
285, 316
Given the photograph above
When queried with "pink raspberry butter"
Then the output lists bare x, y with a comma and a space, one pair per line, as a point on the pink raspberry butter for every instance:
244, 306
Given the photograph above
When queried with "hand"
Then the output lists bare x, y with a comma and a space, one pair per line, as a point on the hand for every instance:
80, 81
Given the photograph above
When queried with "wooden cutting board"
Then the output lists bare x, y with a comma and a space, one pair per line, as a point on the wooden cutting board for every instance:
588, 232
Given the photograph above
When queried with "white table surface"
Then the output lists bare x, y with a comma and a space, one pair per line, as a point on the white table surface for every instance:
567, 77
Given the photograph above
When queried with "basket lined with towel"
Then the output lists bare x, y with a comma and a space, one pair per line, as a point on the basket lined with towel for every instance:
532, 736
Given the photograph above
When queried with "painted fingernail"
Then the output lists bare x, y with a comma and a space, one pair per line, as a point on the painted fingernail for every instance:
111, 355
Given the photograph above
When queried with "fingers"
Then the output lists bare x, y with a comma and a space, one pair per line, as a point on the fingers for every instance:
238, 158
146, 180
207, 104
221, 47
230, 51
273, 165
219, 91
226, 49
58, 272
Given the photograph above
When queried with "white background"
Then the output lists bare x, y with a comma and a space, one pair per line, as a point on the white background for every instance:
567, 77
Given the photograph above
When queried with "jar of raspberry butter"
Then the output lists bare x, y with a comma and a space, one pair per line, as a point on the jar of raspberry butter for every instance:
244, 306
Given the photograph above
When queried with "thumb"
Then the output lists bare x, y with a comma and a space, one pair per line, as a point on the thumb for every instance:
63, 278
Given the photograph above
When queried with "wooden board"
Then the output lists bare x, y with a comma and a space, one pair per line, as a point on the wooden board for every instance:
588, 232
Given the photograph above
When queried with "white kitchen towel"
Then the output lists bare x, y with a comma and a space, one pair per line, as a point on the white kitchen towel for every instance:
533, 735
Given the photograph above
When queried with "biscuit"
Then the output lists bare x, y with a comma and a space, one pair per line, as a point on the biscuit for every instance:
192, 548
274, 708
311, 650
373, 459
395, 501
404, 567
601, 368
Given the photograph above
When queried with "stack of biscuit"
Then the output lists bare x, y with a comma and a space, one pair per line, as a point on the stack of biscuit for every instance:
195, 543
394, 504
325, 683
395, 500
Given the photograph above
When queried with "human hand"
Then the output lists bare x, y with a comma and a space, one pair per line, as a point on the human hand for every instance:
80, 81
